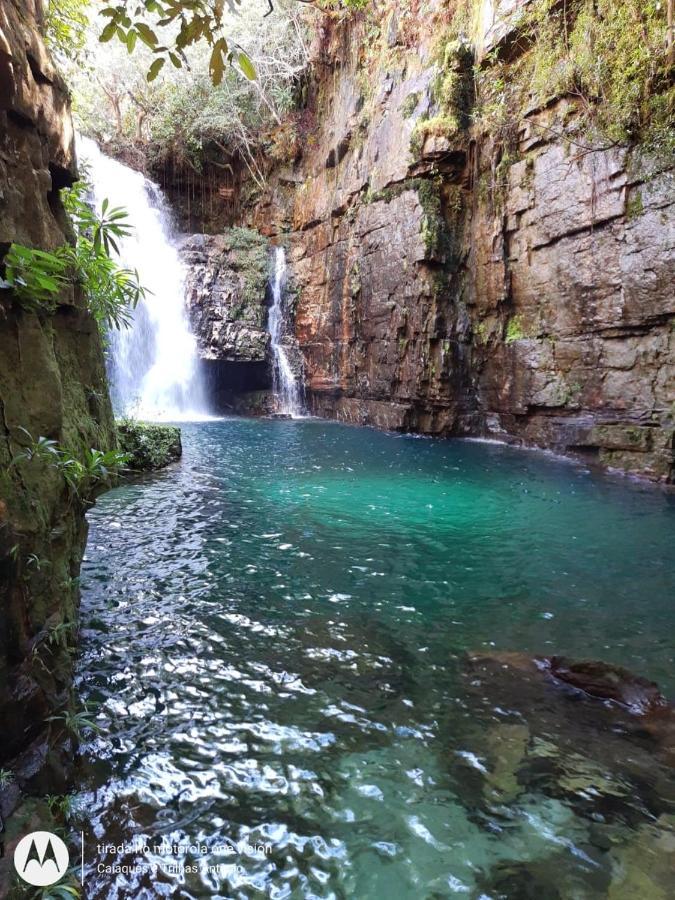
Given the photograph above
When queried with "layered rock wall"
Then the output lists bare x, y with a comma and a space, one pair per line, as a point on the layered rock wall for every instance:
226, 287
449, 288
52, 385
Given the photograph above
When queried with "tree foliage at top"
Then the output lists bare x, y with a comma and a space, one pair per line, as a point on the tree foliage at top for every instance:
182, 112
181, 24
66, 27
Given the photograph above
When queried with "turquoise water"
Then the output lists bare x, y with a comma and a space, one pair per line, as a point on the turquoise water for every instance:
275, 639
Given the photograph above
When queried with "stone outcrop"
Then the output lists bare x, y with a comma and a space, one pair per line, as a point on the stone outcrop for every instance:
52, 384
148, 445
226, 286
449, 288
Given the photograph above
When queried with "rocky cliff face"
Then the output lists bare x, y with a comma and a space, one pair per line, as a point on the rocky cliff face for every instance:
226, 285
52, 384
450, 286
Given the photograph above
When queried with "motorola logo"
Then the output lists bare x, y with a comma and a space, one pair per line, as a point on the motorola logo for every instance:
41, 858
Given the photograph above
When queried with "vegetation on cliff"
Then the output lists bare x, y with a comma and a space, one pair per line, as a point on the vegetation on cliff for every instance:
36, 279
612, 58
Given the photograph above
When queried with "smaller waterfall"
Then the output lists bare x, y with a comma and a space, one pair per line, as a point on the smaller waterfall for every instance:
153, 367
286, 388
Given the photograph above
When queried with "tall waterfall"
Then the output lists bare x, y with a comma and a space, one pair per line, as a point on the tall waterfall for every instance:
286, 388
154, 367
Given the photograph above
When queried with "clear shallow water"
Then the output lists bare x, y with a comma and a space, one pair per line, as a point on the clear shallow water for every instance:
275, 639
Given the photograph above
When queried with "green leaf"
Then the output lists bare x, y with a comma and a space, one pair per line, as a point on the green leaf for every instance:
108, 32
155, 68
247, 66
216, 64
146, 34
131, 40
175, 59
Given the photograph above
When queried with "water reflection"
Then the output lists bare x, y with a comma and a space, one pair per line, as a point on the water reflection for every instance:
274, 639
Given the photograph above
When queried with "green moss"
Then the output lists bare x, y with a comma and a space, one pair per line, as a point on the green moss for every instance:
514, 330
480, 331
410, 104
150, 446
437, 201
452, 93
249, 255
437, 126
634, 206
610, 54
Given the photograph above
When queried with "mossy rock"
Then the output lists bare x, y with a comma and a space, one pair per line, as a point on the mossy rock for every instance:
249, 255
150, 446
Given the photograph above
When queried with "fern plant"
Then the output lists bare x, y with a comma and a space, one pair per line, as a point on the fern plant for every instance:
36, 278
78, 723
97, 467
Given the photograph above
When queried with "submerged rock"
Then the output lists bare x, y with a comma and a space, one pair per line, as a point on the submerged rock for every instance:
621, 691
645, 866
507, 747
151, 446
607, 682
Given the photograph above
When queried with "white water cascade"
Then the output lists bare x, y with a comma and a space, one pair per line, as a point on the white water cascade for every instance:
285, 384
154, 367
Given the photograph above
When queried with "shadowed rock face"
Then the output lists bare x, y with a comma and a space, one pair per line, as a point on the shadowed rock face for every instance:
443, 289
52, 383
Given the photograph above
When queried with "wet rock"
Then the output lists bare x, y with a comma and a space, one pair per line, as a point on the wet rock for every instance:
226, 285
507, 746
607, 682
545, 312
645, 866
52, 383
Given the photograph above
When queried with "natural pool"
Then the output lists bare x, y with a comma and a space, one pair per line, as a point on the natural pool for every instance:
274, 641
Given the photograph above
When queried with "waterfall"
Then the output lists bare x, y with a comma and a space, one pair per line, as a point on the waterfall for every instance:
286, 388
153, 365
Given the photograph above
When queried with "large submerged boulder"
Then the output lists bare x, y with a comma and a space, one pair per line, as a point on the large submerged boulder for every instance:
629, 702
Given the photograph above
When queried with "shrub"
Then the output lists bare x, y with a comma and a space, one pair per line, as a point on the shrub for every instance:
148, 446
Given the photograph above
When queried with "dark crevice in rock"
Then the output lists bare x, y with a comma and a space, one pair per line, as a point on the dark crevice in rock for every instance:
38, 74
19, 119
